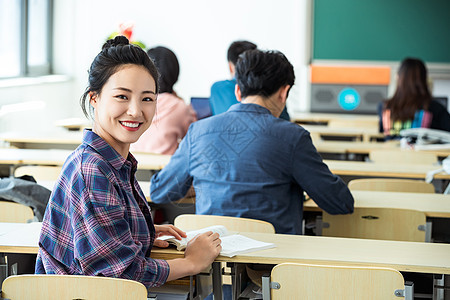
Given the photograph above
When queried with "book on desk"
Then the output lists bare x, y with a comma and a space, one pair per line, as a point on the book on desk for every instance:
232, 244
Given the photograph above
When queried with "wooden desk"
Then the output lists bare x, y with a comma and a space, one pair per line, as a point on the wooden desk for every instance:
433, 205
74, 123
324, 118
402, 256
57, 157
371, 169
364, 148
63, 140
364, 134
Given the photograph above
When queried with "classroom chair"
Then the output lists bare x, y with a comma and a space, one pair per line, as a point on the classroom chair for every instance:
40, 173
403, 157
45, 176
311, 282
391, 185
315, 137
56, 287
193, 222
12, 212
378, 223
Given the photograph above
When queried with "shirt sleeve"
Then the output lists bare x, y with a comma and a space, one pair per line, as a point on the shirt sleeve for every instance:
441, 117
174, 180
326, 189
103, 242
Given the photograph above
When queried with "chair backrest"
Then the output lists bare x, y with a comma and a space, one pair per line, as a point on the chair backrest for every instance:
391, 185
313, 282
56, 287
406, 157
193, 222
12, 212
40, 173
377, 223
315, 137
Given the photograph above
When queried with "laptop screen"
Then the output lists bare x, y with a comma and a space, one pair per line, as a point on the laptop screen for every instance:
201, 107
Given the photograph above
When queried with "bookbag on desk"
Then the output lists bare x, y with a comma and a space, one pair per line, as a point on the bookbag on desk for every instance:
25, 192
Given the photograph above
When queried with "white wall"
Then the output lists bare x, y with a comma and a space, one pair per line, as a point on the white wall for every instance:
199, 32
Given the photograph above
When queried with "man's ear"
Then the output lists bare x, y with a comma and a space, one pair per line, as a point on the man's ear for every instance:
237, 92
284, 91
231, 67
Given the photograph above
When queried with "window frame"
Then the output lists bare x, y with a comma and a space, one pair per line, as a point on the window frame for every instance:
36, 70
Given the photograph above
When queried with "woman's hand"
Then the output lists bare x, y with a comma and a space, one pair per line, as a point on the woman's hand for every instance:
202, 250
167, 230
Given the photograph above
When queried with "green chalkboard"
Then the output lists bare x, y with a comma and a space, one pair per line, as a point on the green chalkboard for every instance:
382, 30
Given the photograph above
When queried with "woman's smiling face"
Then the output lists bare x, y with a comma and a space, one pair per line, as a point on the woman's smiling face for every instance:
125, 107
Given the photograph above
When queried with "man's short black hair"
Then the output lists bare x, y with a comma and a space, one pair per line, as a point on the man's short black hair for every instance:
263, 72
237, 48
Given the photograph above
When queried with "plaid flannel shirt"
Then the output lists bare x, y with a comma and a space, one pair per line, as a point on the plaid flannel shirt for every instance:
97, 221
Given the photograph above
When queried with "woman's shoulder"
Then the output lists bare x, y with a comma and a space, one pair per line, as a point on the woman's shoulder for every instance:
87, 160
436, 106
167, 101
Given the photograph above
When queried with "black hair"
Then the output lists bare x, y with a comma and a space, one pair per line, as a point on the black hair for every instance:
114, 54
263, 72
168, 67
237, 48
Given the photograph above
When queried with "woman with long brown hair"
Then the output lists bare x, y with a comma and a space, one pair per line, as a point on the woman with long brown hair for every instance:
412, 106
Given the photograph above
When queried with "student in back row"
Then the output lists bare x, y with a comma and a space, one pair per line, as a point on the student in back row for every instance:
412, 106
249, 163
222, 92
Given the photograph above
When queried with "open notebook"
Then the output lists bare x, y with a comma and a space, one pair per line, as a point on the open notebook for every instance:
232, 244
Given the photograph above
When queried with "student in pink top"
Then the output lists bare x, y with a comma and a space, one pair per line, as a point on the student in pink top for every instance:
173, 116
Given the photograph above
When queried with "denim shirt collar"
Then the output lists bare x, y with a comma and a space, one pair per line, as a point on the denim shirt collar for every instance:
250, 107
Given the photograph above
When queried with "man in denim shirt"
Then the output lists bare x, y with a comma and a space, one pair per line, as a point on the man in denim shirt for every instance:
249, 163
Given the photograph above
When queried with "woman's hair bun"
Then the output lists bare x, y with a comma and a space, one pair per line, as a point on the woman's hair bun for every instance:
118, 40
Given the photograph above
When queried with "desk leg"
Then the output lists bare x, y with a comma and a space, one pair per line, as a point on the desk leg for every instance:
438, 287
217, 281
3, 267
238, 277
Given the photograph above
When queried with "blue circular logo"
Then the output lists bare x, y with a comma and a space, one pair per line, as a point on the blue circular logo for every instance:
349, 99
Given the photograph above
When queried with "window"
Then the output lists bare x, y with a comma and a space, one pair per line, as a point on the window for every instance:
26, 30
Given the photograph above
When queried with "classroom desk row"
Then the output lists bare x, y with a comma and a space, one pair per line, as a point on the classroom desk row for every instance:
358, 134
56, 157
402, 256
299, 117
364, 148
58, 140
372, 169
325, 118
433, 205
71, 140
146, 161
